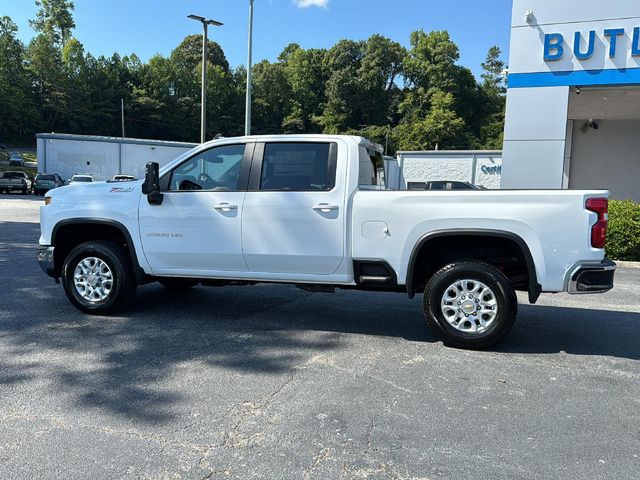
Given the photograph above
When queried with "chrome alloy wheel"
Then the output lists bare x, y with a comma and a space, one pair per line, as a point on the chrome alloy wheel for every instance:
93, 279
469, 306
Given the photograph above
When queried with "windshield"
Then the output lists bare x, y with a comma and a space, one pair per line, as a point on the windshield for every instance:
13, 175
49, 178
81, 179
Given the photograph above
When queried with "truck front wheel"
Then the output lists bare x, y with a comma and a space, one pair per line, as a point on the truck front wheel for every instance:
97, 277
470, 304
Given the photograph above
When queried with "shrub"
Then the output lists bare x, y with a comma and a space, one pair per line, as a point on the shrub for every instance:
623, 235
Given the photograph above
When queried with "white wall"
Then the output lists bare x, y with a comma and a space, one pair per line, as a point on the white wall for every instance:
102, 159
484, 170
607, 158
535, 137
136, 156
68, 157
488, 171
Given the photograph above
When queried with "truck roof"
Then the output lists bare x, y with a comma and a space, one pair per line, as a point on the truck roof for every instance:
307, 136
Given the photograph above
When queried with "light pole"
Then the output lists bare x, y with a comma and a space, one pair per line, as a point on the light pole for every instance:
247, 114
203, 107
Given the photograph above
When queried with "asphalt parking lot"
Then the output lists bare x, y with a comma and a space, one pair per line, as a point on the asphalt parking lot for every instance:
274, 382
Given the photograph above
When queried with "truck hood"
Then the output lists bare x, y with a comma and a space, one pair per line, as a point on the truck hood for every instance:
96, 189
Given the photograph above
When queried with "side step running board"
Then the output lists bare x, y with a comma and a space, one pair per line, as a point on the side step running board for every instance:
373, 279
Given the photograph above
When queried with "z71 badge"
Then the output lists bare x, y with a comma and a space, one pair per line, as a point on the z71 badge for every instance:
121, 189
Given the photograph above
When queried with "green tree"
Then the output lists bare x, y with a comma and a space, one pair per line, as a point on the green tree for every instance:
271, 97
494, 68
431, 61
49, 80
370, 87
55, 19
492, 90
77, 87
307, 76
440, 127
361, 88
381, 66
17, 115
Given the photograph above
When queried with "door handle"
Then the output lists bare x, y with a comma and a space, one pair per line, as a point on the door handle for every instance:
225, 207
325, 207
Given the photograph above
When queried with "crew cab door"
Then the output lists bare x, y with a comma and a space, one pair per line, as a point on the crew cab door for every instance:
293, 220
196, 229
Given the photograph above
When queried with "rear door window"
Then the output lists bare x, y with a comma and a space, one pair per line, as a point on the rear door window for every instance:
298, 167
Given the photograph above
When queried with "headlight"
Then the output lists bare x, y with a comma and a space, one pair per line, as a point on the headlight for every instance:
47, 200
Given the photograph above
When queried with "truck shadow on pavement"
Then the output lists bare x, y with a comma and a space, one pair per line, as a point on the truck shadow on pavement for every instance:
576, 331
123, 364
217, 338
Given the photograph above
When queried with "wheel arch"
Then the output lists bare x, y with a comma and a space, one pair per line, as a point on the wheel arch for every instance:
534, 288
101, 229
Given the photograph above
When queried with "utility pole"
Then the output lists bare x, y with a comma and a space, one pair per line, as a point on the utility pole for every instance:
122, 110
203, 94
247, 115
386, 140
203, 104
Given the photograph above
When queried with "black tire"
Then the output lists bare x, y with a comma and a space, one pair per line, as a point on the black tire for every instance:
178, 283
123, 285
503, 293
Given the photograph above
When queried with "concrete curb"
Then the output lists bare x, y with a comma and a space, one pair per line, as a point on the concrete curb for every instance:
623, 264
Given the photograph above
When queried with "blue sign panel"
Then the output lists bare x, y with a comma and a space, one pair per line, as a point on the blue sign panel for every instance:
555, 47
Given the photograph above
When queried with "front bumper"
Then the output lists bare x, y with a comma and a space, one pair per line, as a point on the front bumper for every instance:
45, 259
592, 277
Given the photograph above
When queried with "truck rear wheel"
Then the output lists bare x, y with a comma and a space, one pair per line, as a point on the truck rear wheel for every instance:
97, 277
470, 304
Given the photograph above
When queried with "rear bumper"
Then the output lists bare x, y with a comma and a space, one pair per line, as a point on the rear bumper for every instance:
13, 188
592, 277
45, 259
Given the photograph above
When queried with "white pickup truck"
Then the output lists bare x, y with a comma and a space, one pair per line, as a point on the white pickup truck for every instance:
305, 210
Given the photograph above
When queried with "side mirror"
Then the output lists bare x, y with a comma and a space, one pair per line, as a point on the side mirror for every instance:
151, 185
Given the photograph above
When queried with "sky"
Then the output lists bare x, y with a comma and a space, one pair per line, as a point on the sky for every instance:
147, 27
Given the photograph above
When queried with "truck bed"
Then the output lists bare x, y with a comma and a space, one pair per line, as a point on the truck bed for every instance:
554, 224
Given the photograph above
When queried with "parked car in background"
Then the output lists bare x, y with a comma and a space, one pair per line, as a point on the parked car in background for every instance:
123, 178
81, 178
45, 182
16, 160
14, 182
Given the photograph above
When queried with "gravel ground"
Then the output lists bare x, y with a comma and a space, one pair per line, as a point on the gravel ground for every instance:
273, 382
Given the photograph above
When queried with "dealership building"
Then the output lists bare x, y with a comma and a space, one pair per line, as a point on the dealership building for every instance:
573, 102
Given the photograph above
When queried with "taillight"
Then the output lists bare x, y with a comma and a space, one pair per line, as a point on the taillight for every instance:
599, 229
